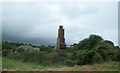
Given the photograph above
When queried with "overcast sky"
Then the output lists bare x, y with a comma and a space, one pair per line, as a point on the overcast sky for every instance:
37, 23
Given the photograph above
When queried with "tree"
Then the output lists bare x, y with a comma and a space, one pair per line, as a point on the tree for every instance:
109, 42
94, 39
90, 42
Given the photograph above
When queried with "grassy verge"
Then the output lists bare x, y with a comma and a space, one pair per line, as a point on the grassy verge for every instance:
106, 66
11, 65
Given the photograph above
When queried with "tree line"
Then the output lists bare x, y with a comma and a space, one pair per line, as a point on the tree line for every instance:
93, 49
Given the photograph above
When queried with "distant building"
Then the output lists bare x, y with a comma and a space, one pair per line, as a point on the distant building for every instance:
26, 47
37, 49
61, 40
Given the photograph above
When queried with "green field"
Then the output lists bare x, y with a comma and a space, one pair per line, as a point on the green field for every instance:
15, 65
9, 64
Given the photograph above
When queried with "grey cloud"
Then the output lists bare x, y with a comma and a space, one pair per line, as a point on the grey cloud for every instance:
29, 22
74, 11
0, 23
38, 23
119, 23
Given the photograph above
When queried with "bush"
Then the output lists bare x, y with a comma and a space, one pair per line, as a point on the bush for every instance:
20, 50
114, 54
6, 52
70, 63
81, 57
89, 43
31, 56
97, 58
40, 57
45, 48
14, 55
118, 57
87, 57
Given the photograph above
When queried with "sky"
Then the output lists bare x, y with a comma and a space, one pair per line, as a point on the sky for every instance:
38, 22
59, 0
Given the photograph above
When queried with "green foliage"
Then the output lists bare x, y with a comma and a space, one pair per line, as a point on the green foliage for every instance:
9, 64
95, 39
114, 54
94, 50
81, 57
109, 42
6, 52
31, 56
20, 50
69, 63
8, 45
97, 58
43, 58
85, 57
45, 48
0, 46
88, 51
90, 42
13, 55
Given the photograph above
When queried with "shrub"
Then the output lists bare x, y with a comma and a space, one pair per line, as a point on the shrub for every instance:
82, 57
45, 48
89, 43
20, 50
114, 54
104, 53
31, 56
14, 55
118, 57
97, 58
6, 52
88, 57
70, 63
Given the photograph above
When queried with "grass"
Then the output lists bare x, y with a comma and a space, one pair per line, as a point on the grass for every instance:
106, 66
9, 64
109, 66
15, 65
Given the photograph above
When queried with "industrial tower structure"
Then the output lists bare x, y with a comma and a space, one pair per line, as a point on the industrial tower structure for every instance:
61, 40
